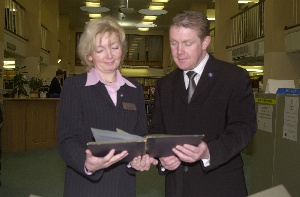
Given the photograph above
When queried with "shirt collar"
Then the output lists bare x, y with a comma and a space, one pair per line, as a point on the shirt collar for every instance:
93, 78
199, 69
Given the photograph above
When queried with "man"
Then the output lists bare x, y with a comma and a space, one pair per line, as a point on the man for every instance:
221, 108
55, 87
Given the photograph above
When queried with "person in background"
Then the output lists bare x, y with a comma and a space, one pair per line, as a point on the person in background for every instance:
100, 98
219, 103
55, 86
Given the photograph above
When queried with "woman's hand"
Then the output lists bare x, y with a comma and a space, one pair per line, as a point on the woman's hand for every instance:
93, 163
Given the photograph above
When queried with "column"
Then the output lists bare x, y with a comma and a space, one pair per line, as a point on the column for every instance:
224, 11
279, 64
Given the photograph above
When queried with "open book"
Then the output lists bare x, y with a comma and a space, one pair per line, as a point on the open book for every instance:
156, 145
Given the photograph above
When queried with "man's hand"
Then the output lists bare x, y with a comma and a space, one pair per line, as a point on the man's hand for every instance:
190, 154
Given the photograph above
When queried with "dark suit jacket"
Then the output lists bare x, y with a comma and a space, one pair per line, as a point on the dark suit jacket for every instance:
82, 107
222, 108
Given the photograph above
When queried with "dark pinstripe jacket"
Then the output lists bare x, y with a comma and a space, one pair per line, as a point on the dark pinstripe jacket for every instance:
82, 107
222, 108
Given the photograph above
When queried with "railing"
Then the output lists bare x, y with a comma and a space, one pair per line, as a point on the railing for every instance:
44, 32
248, 24
14, 15
295, 14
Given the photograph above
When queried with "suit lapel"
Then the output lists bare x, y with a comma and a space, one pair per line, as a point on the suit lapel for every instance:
101, 91
179, 86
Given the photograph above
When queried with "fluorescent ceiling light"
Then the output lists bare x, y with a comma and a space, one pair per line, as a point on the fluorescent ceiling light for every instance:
152, 12
253, 1
144, 25
254, 70
92, 4
147, 22
211, 19
6, 62
160, 1
143, 29
156, 7
95, 15
150, 18
9, 66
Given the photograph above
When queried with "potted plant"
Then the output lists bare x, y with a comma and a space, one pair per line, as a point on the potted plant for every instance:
19, 81
34, 85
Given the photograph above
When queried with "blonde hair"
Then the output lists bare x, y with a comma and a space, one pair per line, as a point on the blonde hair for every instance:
87, 42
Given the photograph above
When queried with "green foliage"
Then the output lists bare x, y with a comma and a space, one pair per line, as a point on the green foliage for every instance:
19, 81
35, 83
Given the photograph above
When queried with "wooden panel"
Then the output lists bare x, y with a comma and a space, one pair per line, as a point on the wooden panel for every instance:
41, 124
14, 126
28, 124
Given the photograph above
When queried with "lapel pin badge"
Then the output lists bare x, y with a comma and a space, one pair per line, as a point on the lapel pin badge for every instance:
210, 74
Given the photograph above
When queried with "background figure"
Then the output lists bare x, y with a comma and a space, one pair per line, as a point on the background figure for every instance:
55, 86
101, 98
221, 107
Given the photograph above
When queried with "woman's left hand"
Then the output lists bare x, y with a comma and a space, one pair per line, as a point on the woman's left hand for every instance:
143, 163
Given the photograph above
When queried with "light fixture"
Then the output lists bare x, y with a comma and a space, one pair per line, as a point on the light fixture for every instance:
94, 9
143, 29
160, 1
147, 22
92, 4
150, 18
127, 10
253, 1
9, 66
95, 15
152, 12
156, 7
145, 25
59, 60
211, 19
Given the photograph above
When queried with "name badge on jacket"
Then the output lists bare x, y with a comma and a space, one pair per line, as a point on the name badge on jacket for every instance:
129, 106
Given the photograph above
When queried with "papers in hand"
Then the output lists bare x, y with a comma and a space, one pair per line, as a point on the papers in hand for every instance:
156, 145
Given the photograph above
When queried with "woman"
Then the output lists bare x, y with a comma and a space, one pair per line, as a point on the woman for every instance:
99, 99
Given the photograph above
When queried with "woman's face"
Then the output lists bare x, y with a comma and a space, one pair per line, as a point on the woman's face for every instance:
108, 54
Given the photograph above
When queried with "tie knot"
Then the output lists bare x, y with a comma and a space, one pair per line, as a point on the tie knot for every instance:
191, 74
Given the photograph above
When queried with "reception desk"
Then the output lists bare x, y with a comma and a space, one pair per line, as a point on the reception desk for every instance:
28, 124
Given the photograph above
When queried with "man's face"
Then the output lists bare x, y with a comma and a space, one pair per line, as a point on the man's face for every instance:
187, 48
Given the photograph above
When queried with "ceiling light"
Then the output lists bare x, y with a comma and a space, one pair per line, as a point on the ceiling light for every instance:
94, 9
211, 19
9, 66
95, 15
145, 25
160, 1
92, 4
143, 29
147, 22
253, 1
150, 18
156, 7
6, 62
152, 12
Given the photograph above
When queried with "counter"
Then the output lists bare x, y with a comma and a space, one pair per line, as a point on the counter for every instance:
28, 124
